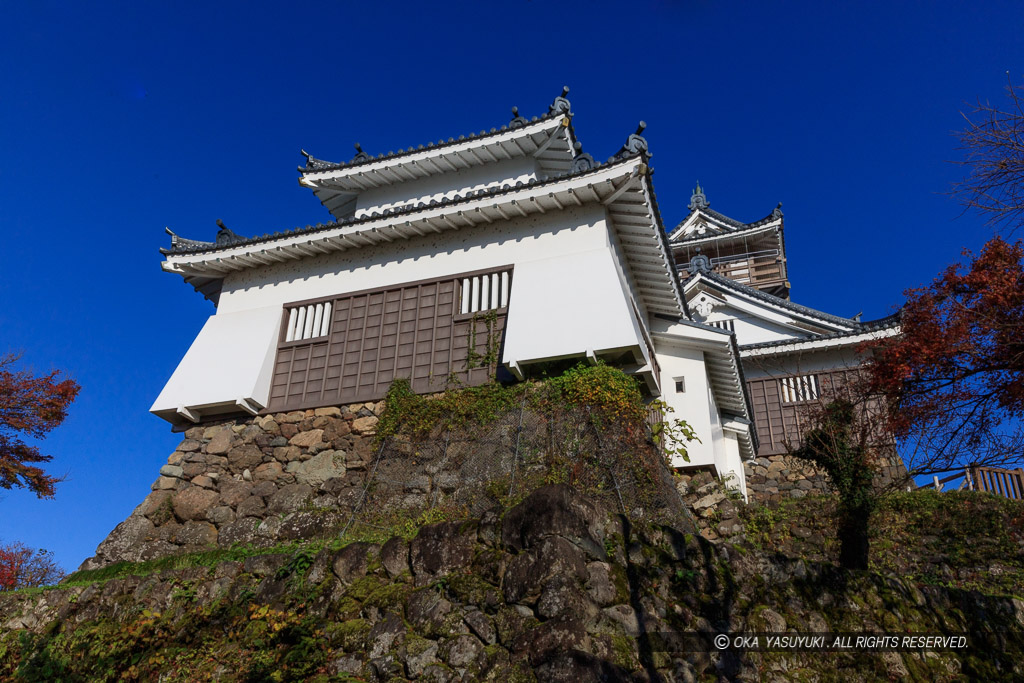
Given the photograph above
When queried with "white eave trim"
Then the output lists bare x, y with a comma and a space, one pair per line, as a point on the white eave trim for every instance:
441, 159
796, 345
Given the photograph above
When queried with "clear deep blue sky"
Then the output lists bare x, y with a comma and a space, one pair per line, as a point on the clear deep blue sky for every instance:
121, 118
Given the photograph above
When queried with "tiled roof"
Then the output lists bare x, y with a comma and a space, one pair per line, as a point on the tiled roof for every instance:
886, 323
724, 219
186, 246
773, 300
560, 107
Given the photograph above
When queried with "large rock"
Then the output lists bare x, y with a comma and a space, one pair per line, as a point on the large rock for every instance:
127, 540
555, 510
156, 506
351, 562
196, 534
439, 549
553, 637
309, 524
530, 569
289, 498
313, 437
394, 556
220, 440
253, 506
318, 469
268, 471
193, 503
365, 425
241, 532
246, 456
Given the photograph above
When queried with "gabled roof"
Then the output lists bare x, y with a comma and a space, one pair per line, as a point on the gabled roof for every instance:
720, 224
834, 322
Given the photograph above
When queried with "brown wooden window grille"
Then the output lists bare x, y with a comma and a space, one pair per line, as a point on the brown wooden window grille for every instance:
367, 339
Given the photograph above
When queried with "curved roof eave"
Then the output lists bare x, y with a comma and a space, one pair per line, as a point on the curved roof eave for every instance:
750, 292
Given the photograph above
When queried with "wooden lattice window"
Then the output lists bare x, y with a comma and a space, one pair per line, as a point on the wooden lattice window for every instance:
799, 388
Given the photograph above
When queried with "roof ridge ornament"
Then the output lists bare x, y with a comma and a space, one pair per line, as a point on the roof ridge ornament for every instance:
517, 120
698, 200
777, 211
226, 235
183, 242
581, 161
560, 105
360, 155
635, 143
700, 264
314, 164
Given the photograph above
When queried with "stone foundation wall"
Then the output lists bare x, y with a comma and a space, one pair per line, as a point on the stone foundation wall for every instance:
772, 478
258, 481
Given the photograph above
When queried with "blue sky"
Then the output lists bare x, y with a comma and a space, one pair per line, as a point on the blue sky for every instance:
118, 119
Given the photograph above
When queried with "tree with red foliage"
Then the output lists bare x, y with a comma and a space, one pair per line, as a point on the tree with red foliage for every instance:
30, 406
22, 567
954, 378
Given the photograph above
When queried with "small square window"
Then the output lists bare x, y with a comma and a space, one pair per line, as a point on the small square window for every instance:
680, 385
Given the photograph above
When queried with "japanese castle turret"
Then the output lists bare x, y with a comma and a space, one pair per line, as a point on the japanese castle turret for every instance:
491, 255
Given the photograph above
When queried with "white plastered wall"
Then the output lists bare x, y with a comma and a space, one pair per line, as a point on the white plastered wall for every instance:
718, 447
692, 404
568, 304
231, 359
731, 468
566, 297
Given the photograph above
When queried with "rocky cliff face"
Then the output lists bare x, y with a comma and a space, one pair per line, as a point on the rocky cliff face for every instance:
556, 588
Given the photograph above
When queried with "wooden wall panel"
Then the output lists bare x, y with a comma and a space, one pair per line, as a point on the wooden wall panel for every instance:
415, 331
779, 423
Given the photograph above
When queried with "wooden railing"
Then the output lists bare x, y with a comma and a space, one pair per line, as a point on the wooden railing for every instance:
1006, 483
753, 269
1001, 482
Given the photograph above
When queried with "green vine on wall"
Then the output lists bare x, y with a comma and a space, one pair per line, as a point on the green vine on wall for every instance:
673, 434
489, 358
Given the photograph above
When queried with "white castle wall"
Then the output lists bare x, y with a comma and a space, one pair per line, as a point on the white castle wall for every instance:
566, 297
